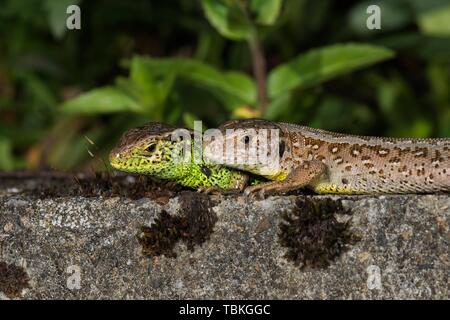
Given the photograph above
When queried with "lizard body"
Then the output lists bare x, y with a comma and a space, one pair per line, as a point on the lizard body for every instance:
150, 150
329, 162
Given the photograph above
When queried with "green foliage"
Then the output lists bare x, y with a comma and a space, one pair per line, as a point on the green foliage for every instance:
436, 22
182, 60
228, 18
235, 84
266, 11
323, 64
102, 100
151, 82
6, 160
232, 18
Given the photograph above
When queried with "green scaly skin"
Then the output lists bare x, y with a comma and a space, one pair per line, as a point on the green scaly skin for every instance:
149, 150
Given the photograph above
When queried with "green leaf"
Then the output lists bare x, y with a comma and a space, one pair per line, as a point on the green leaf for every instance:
435, 22
235, 84
6, 159
102, 100
228, 18
319, 65
57, 15
267, 11
150, 88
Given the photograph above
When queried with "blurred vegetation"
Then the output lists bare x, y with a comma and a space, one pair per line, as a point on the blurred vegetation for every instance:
303, 61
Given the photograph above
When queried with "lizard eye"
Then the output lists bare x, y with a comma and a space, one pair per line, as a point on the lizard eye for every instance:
151, 148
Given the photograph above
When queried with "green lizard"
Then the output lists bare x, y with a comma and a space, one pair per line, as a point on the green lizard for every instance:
328, 162
150, 150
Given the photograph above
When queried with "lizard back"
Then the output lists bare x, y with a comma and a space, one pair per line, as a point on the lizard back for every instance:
365, 164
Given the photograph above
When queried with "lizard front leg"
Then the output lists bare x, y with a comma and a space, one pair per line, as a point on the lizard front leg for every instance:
301, 176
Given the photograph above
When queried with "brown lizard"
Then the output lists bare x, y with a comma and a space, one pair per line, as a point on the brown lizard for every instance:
329, 162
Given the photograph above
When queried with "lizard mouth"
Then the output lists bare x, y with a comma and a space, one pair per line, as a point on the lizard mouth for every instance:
118, 159
114, 160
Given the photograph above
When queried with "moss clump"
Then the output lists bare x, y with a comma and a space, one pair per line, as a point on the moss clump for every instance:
312, 235
193, 226
160, 238
13, 280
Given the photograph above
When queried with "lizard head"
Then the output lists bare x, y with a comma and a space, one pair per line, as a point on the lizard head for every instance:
150, 150
251, 145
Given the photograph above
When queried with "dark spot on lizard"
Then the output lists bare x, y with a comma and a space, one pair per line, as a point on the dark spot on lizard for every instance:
368, 165
437, 157
420, 152
282, 148
382, 152
319, 157
151, 148
355, 150
333, 147
402, 151
206, 171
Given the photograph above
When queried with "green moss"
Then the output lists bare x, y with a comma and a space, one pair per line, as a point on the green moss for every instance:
192, 226
312, 235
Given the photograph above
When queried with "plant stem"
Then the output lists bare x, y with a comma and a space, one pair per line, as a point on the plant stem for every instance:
259, 72
258, 61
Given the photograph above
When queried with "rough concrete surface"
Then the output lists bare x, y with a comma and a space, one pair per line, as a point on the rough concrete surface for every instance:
72, 246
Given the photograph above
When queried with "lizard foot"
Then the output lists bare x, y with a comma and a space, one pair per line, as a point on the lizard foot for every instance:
256, 191
300, 177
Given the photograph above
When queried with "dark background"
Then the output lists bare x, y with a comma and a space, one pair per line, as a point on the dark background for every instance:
49, 114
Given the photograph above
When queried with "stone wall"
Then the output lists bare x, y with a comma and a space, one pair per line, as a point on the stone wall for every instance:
60, 240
